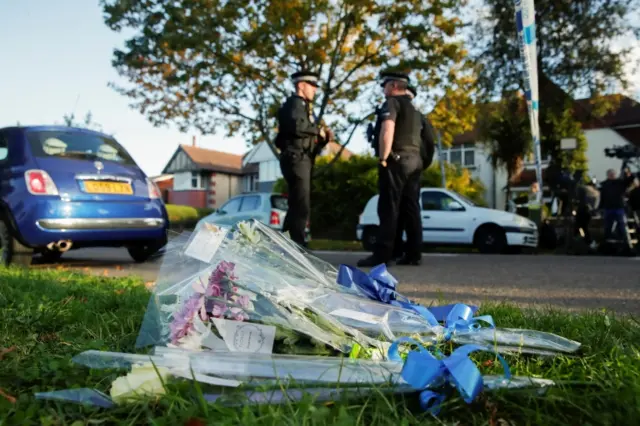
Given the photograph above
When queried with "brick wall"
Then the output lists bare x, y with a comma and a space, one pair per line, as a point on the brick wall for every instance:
194, 198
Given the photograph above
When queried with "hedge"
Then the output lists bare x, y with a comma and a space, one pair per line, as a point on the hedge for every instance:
340, 191
185, 216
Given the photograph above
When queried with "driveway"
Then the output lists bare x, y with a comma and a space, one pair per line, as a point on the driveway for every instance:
573, 282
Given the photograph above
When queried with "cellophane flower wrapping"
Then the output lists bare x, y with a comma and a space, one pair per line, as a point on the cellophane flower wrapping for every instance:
232, 289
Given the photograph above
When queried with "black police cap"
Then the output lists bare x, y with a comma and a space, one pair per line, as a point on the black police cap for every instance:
394, 76
306, 76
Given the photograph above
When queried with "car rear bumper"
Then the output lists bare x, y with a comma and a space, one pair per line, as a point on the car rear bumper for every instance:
91, 223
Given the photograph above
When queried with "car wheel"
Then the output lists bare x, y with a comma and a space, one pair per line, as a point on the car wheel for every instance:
142, 253
490, 240
51, 256
369, 237
11, 251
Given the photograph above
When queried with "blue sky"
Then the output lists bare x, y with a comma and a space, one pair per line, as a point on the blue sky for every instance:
57, 59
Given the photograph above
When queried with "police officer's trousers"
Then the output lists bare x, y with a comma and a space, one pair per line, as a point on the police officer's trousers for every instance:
399, 186
296, 170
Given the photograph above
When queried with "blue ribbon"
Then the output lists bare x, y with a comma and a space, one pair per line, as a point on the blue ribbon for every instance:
424, 372
380, 285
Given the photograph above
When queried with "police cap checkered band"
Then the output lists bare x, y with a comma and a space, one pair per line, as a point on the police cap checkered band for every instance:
394, 76
306, 76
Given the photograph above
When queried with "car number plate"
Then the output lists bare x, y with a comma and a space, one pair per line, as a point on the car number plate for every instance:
101, 187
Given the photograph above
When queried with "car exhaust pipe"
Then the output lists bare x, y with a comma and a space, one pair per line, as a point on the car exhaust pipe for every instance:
64, 245
61, 246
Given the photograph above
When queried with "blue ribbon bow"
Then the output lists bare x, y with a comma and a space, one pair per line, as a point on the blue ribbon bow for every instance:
380, 285
423, 372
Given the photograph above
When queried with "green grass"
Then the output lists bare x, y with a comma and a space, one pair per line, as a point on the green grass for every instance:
50, 316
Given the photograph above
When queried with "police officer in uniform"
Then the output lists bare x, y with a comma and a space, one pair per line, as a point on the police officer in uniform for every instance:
299, 139
399, 172
427, 149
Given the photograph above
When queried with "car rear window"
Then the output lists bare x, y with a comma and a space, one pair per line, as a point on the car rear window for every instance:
74, 144
279, 202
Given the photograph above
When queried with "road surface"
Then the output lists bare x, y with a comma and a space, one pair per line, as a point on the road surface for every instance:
571, 282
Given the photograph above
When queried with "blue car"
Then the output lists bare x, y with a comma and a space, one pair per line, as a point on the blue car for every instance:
65, 188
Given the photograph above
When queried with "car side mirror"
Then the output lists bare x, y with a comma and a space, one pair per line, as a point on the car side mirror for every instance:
221, 212
456, 206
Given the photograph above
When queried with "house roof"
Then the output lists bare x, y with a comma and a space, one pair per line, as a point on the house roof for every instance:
334, 147
161, 178
208, 159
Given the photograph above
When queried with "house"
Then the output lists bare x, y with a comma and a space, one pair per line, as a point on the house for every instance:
620, 127
203, 177
263, 167
164, 184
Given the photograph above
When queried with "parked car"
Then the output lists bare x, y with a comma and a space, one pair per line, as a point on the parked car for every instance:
65, 188
268, 208
448, 218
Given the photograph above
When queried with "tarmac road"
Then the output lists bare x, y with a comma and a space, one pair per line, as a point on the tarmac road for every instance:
573, 282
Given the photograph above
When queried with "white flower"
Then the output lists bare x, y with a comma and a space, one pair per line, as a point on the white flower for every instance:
143, 380
249, 232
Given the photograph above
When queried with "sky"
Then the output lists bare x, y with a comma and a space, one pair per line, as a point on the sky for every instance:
57, 60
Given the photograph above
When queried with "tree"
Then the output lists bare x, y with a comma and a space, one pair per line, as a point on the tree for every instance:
226, 63
505, 132
87, 123
577, 56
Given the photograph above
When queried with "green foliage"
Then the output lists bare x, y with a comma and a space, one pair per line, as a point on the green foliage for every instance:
505, 132
227, 63
87, 123
340, 193
578, 45
48, 317
186, 216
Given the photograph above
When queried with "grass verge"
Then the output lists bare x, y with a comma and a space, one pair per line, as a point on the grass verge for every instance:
49, 316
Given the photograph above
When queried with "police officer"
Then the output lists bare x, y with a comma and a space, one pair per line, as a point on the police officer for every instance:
399, 171
299, 139
427, 149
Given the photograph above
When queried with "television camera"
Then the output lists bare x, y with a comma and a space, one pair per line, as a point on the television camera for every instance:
629, 154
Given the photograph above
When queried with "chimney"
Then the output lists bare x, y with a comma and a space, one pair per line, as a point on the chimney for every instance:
193, 141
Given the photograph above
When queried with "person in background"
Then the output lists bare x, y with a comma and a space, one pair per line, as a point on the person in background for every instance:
612, 193
299, 139
588, 198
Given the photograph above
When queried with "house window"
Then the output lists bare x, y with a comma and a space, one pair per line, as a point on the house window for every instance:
462, 155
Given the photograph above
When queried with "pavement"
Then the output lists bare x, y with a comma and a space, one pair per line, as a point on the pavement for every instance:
572, 282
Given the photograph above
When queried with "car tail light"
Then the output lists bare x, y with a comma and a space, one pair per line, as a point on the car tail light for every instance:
154, 192
40, 183
274, 219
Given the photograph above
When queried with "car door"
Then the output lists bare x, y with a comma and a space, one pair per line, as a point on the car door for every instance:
227, 214
444, 219
250, 208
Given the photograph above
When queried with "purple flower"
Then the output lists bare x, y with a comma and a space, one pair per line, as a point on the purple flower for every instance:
239, 315
182, 322
218, 310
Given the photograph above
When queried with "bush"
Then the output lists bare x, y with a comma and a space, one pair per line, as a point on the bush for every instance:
339, 192
185, 216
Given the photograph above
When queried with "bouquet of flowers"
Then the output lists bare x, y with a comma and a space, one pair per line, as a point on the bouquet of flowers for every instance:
242, 306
